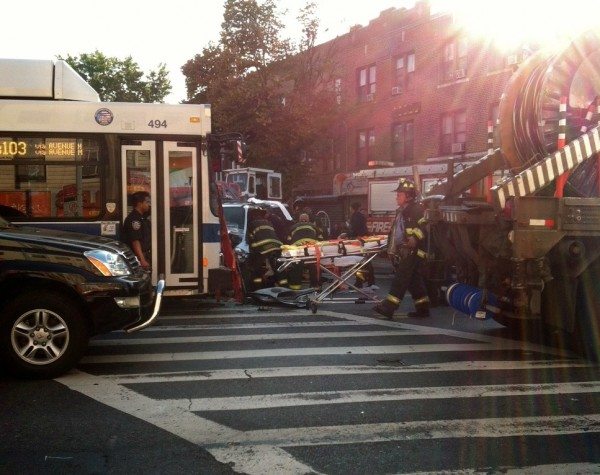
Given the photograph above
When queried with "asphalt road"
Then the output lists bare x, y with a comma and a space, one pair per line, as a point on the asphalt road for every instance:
223, 388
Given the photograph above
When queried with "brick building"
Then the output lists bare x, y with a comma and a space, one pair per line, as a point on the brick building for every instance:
414, 89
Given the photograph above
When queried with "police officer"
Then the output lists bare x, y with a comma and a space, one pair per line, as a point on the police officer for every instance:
301, 233
136, 228
405, 249
265, 248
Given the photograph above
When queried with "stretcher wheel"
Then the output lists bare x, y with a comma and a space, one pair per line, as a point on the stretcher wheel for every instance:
313, 306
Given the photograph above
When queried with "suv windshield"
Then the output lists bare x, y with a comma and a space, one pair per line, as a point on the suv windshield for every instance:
234, 216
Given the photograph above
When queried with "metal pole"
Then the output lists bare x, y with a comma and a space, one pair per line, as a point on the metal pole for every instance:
562, 128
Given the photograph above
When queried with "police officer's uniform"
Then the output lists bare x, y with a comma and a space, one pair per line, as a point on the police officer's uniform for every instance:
137, 228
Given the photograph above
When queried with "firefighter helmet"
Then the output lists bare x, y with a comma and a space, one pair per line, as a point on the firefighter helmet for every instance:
406, 185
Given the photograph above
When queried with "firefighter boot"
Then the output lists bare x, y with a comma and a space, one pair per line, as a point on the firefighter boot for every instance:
387, 307
421, 308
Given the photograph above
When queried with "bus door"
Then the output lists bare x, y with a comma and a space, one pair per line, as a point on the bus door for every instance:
168, 169
180, 208
138, 169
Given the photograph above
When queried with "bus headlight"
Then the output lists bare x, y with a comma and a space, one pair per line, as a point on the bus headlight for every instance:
109, 264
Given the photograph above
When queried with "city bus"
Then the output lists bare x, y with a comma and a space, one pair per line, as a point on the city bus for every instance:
69, 161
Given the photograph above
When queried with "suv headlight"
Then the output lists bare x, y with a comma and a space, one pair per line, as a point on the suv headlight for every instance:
108, 263
241, 255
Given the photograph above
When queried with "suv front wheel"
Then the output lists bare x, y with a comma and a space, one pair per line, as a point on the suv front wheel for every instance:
41, 335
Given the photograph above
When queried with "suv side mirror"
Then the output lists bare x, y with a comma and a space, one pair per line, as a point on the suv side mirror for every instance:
235, 239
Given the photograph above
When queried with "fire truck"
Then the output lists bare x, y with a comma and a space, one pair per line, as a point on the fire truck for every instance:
373, 189
254, 182
527, 251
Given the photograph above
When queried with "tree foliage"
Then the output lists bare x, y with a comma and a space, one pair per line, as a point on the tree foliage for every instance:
121, 80
278, 94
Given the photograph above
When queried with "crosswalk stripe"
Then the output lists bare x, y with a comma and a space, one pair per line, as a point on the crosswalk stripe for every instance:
355, 350
382, 368
419, 430
547, 469
232, 314
238, 338
235, 326
267, 401
482, 337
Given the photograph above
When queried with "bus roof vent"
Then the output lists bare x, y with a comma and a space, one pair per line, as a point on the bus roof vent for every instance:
43, 79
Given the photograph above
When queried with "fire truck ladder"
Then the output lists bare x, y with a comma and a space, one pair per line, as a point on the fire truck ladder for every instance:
545, 171
465, 178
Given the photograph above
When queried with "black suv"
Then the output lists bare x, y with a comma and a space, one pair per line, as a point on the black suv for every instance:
57, 289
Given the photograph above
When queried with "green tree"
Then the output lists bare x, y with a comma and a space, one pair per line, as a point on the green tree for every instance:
277, 93
121, 80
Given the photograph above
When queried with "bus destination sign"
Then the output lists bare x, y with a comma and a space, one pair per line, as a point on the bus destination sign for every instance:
51, 149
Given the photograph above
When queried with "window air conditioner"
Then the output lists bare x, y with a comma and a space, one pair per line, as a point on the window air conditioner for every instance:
395, 91
458, 147
460, 73
369, 97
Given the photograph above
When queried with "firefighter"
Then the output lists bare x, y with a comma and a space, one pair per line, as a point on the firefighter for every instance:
278, 224
405, 249
357, 228
265, 248
303, 232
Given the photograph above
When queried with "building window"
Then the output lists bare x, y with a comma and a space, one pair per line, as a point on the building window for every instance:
403, 74
365, 146
367, 83
455, 60
403, 142
454, 132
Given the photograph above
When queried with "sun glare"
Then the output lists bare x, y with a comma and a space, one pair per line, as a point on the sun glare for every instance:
511, 23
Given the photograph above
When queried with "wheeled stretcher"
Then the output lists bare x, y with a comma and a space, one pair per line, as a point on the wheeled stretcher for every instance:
340, 260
